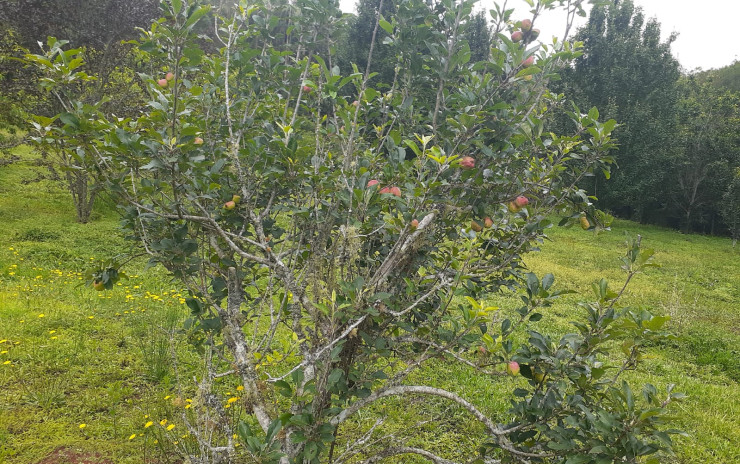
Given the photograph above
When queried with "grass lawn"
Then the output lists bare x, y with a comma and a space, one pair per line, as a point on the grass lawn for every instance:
94, 374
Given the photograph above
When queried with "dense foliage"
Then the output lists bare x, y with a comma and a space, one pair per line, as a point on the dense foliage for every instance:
678, 144
336, 234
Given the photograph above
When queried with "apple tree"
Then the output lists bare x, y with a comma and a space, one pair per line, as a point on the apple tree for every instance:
334, 246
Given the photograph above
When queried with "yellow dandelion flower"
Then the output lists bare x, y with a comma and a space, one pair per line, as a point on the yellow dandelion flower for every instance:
171, 426
163, 422
6, 362
233, 399
91, 317
3, 352
187, 406
167, 397
52, 331
3, 340
148, 424
41, 315
82, 426
240, 388
132, 436
53, 338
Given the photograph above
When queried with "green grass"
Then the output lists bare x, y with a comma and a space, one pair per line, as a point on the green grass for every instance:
103, 358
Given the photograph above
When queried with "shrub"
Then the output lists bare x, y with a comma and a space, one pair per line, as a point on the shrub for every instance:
332, 249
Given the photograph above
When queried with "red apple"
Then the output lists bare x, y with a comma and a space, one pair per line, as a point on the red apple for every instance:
198, 141
488, 223
162, 83
467, 162
513, 207
521, 201
512, 368
230, 205
475, 226
528, 62
355, 103
517, 36
372, 182
526, 25
584, 223
414, 223
169, 76
307, 89
98, 285
396, 191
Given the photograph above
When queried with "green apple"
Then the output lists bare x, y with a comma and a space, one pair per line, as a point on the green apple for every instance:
512, 368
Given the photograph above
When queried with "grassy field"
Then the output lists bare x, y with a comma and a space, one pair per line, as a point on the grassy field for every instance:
92, 374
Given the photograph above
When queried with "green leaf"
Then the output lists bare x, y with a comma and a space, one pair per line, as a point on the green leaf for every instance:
387, 27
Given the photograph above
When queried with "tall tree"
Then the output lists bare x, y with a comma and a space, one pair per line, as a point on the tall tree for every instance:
709, 152
630, 75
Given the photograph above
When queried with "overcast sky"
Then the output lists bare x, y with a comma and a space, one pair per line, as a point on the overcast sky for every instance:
707, 35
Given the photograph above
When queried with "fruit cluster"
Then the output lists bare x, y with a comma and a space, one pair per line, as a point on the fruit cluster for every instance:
525, 32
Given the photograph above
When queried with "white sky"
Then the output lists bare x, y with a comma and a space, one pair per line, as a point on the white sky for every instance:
707, 35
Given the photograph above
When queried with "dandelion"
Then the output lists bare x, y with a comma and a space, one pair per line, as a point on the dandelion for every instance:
41, 315
148, 424
90, 317
6, 362
82, 426
132, 436
52, 331
233, 399
53, 338
240, 388
163, 422
171, 426
3, 352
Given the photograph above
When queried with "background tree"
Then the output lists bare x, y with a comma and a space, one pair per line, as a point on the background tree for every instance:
325, 266
630, 75
100, 28
708, 154
730, 208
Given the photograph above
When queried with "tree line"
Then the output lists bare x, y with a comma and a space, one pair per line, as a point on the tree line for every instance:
678, 155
